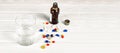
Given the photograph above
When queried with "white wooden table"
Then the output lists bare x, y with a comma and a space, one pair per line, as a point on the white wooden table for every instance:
94, 27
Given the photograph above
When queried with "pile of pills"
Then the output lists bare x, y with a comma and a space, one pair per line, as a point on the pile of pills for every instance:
48, 38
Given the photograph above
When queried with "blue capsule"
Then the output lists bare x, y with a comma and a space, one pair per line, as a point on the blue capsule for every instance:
41, 30
46, 41
47, 35
57, 35
65, 30
53, 30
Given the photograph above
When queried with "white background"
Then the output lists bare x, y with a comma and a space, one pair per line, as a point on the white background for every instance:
94, 27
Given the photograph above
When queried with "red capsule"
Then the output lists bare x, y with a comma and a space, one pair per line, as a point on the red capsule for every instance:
47, 44
43, 36
47, 23
53, 41
62, 36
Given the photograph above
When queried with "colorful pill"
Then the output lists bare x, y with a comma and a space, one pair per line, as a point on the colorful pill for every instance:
65, 30
51, 35
53, 30
47, 22
47, 44
46, 41
53, 41
57, 35
43, 36
43, 47
47, 35
62, 36
41, 30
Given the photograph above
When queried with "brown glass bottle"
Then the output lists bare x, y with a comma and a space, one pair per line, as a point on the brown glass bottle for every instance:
55, 12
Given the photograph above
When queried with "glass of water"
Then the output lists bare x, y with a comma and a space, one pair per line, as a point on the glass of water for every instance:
26, 29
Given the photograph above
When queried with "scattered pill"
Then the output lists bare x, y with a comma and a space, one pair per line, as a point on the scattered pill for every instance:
47, 44
51, 35
56, 29
43, 47
62, 36
47, 35
53, 30
57, 35
41, 30
47, 22
46, 41
65, 30
53, 41
43, 36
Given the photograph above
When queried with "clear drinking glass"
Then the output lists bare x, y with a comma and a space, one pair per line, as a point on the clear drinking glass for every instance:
25, 29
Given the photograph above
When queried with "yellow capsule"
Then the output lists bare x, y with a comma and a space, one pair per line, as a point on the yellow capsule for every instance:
43, 47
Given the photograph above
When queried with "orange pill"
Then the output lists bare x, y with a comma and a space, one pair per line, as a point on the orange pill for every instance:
62, 36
